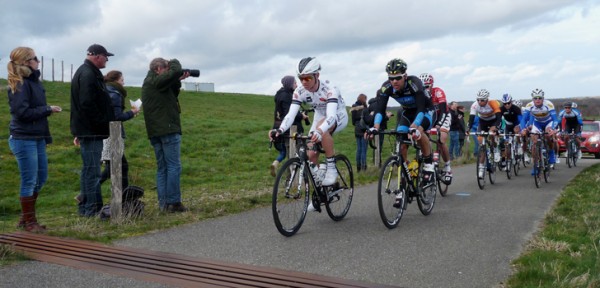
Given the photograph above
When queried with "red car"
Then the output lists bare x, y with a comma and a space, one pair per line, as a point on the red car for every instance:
591, 134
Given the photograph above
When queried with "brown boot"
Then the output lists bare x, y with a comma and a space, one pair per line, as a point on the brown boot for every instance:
28, 207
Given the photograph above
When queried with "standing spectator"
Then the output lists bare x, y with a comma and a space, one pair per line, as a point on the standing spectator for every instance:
283, 100
160, 93
29, 131
359, 130
462, 131
90, 116
114, 85
455, 130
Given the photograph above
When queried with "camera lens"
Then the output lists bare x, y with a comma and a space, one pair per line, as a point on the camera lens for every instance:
193, 72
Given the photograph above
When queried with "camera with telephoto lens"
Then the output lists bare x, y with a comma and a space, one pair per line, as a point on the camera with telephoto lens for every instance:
193, 72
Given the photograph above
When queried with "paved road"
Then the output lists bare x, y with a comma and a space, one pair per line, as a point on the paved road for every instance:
468, 240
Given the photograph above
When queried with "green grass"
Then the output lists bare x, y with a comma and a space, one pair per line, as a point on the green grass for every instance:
566, 252
225, 158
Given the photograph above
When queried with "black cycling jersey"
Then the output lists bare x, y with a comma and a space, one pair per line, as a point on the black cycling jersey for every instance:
512, 116
413, 98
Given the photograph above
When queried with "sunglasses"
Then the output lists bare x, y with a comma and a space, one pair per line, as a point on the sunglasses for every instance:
481, 100
34, 58
305, 78
538, 98
507, 103
397, 78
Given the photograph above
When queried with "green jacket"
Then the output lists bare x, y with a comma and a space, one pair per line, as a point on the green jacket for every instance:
160, 103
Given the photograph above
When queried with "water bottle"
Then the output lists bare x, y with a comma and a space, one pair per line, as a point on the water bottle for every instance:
436, 156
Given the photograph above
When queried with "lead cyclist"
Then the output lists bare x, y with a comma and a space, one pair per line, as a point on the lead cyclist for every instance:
330, 115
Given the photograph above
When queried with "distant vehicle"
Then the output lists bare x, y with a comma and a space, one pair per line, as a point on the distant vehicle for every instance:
591, 134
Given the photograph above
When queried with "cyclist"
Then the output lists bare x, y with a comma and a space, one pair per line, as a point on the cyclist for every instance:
330, 114
572, 122
442, 120
512, 118
541, 114
416, 115
490, 118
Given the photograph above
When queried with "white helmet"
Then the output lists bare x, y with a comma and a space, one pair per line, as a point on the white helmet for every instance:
308, 65
574, 105
517, 102
483, 94
537, 93
506, 98
427, 79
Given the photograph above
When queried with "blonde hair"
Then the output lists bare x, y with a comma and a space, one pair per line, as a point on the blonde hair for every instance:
17, 66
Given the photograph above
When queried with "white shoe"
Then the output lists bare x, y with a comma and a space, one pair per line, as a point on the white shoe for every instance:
480, 173
527, 160
557, 160
274, 168
578, 154
311, 208
520, 151
330, 177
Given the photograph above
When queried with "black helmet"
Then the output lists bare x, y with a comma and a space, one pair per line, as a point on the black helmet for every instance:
568, 104
396, 66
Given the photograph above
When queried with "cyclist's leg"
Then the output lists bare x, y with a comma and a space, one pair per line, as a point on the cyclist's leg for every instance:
443, 137
535, 130
550, 143
328, 146
428, 169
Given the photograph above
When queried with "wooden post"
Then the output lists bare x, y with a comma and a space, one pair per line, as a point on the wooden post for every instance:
292, 152
116, 153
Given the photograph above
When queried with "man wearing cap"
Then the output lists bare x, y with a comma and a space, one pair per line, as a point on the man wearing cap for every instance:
91, 113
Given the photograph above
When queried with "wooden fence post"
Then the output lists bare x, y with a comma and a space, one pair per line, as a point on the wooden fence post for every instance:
116, 154
292, 152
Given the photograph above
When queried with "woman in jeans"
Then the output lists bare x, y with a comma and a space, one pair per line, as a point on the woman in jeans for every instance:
29, 131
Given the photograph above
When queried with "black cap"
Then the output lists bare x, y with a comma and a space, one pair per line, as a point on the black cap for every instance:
97, 49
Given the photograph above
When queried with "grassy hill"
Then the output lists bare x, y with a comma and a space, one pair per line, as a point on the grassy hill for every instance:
225, 157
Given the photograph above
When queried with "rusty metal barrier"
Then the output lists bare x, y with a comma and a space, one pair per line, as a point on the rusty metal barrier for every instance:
161, 267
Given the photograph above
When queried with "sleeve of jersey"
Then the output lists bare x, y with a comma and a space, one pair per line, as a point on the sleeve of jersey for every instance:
381, 106
525, 118
579, 118
554, 118
330, 119
288, 120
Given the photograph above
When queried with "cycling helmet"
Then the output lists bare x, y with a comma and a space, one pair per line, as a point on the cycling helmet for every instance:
568, 104
517, 103
427, 79
506, 98
537, 93
309, 65
396, 66
574, 105
483, 94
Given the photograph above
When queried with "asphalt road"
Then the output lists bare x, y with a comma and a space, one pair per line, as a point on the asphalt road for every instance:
468, 240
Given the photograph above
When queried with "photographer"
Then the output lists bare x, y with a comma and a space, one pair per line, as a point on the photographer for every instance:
163, 124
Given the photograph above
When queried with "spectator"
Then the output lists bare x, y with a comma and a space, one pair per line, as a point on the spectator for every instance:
359, 130
462, 129
283, 100
114, 85
29, 130
90, 116
160, 93
455, 128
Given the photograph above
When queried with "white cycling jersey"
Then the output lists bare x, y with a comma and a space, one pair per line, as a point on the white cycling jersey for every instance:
540, 114
327, 102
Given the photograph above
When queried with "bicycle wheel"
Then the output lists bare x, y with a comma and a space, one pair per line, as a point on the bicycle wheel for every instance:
517, 166
339, 195
390, 187
442, 187
547, 168
290, 197
537, 163
426, 195
481, 166
575, 153
492, 167
508, 161
569, 155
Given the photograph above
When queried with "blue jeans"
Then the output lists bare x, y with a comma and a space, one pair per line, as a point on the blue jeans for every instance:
454, 144
167, 149
361, 152
280, 146
33, 163
91, 196
475, 142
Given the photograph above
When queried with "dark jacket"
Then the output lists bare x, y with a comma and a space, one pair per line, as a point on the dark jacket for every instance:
160, 101
90, 104
283, 100
357, 113
29, 111
117, 95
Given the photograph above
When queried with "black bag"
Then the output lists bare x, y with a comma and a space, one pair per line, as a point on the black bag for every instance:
132, 206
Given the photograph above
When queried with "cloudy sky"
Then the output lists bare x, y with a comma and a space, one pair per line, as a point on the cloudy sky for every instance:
246, 46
